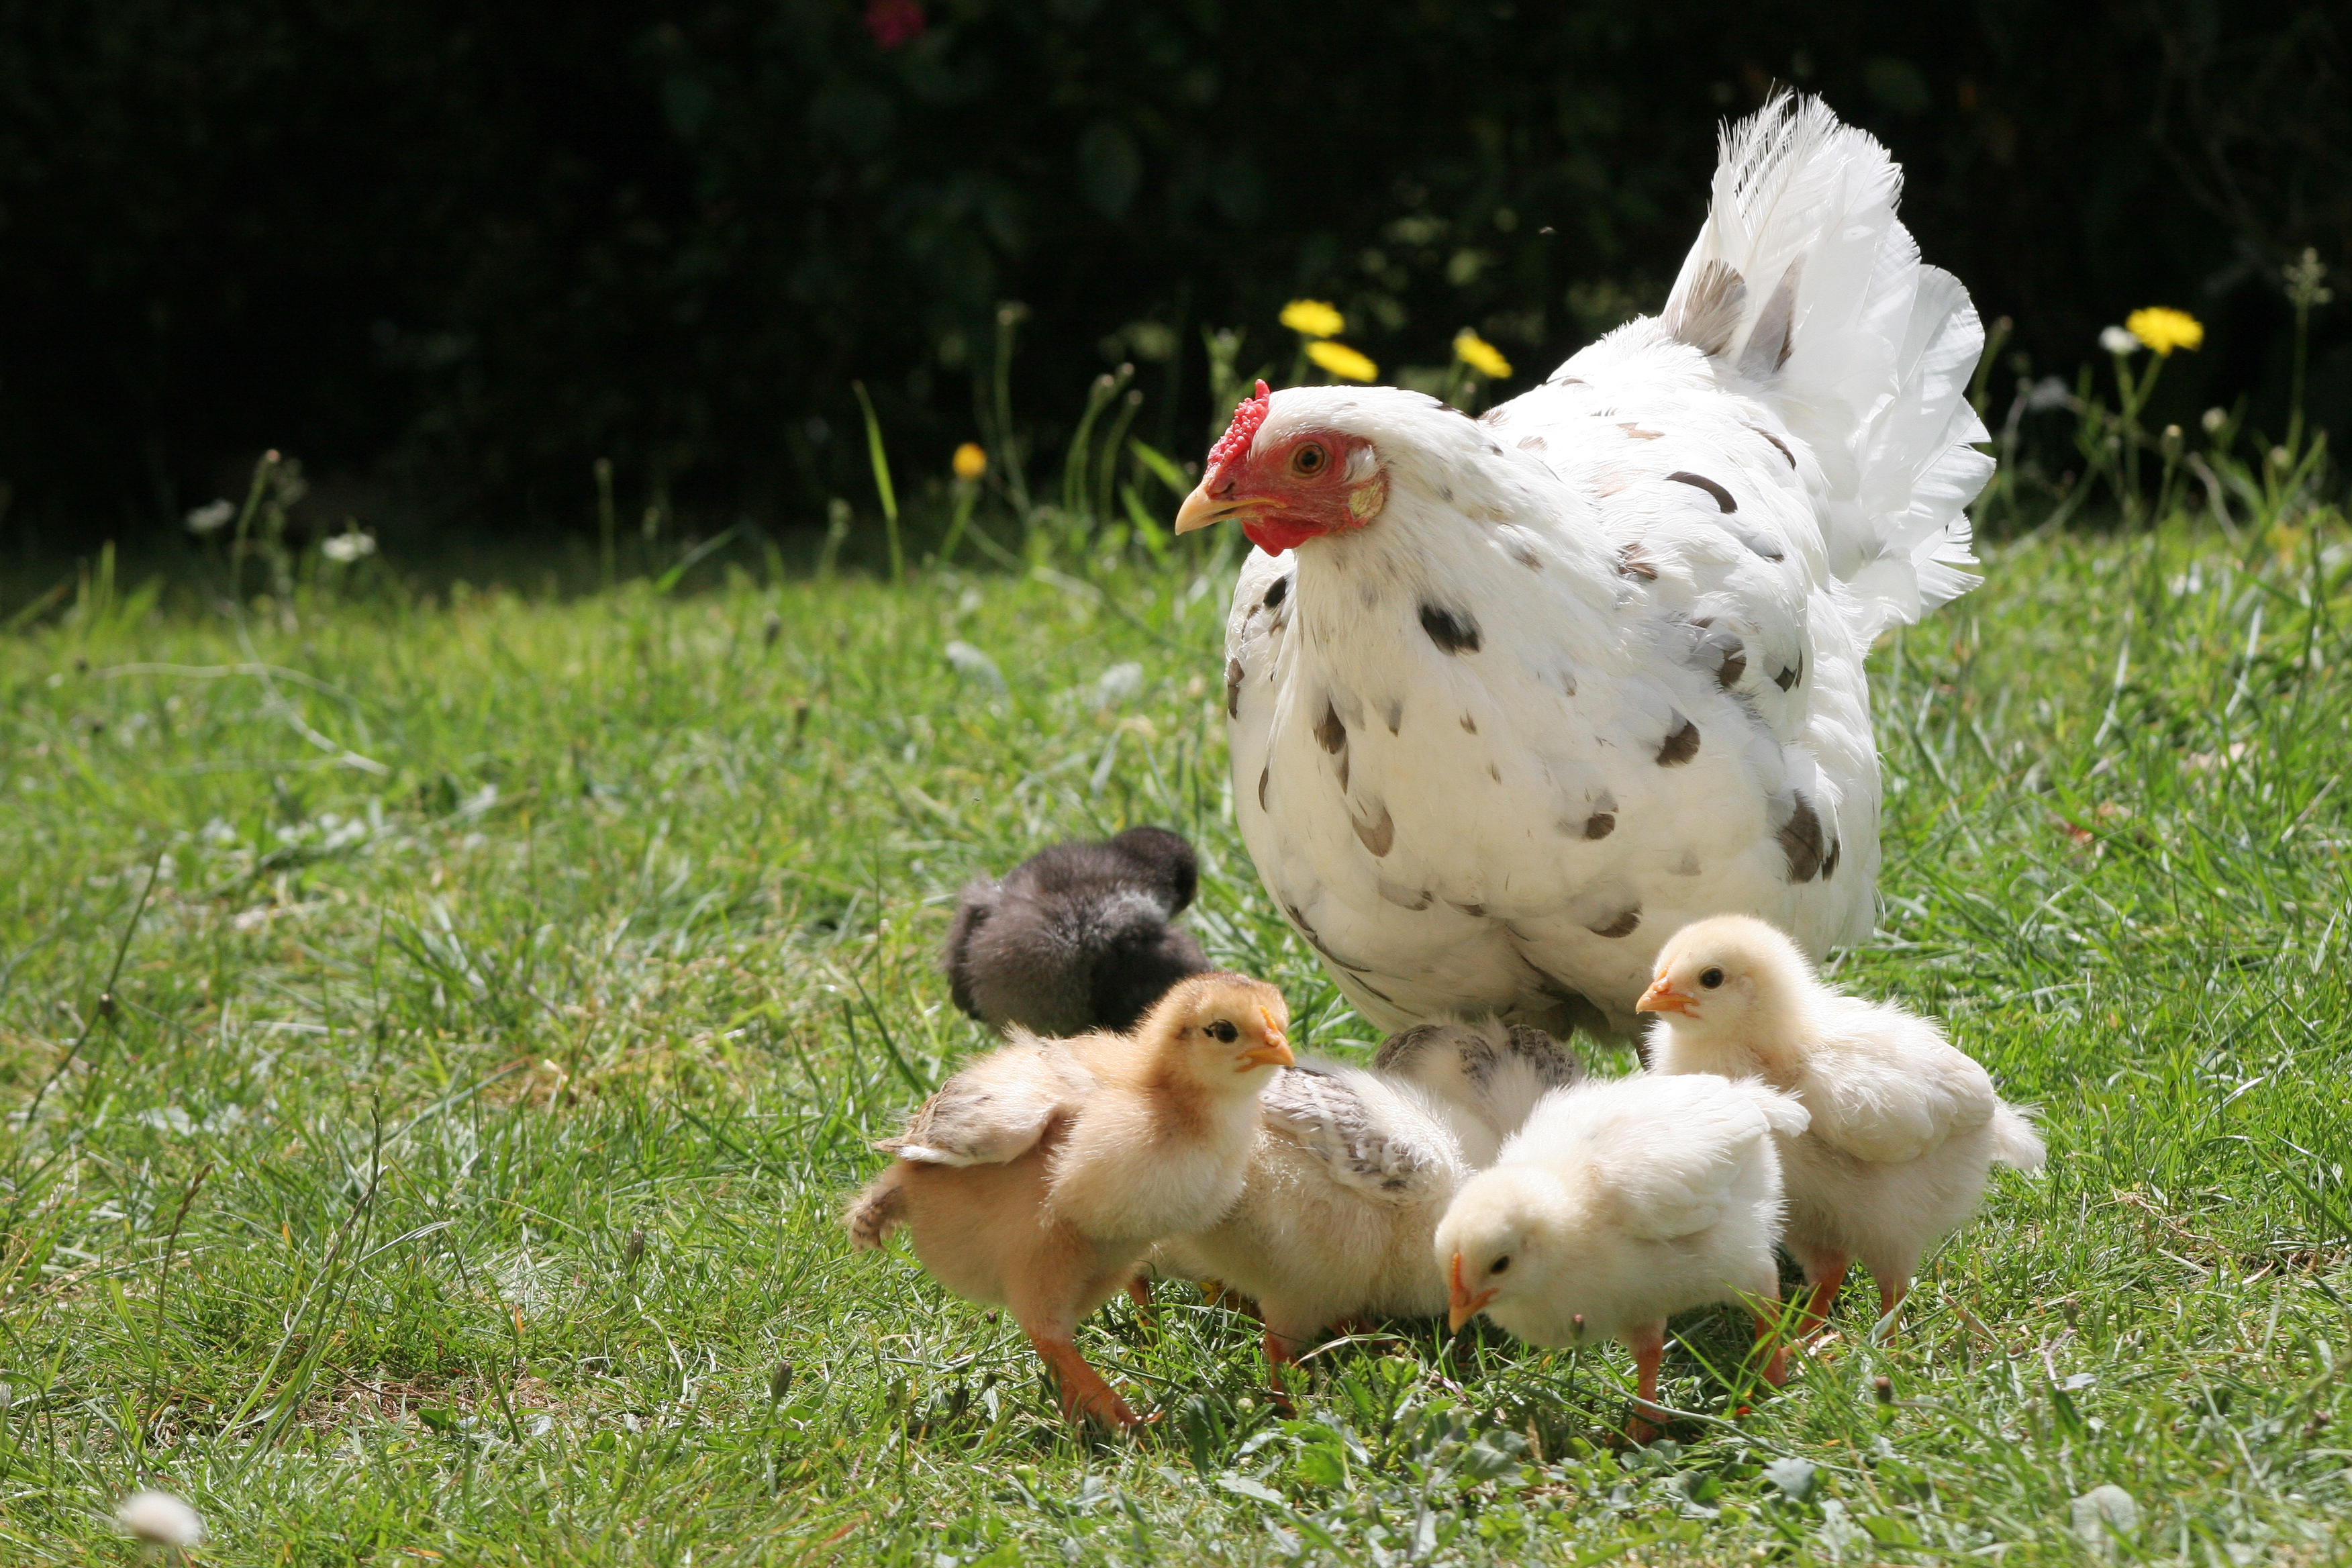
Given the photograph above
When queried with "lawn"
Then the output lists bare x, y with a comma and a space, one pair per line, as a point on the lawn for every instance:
437, 1030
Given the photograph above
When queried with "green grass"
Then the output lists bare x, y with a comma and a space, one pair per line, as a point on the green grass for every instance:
455, 1161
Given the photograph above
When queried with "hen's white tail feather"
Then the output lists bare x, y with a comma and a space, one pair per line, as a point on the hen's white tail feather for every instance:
1804, 283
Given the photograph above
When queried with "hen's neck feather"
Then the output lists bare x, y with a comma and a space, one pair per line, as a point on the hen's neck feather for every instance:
1464, 517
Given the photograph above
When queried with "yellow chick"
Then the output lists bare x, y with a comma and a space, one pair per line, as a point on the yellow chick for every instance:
1037, 1178
1618, 1205
1906, 1127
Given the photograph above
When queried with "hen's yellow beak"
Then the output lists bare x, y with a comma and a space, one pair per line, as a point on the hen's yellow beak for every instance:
1662, 997
1200, 509
1463, 1306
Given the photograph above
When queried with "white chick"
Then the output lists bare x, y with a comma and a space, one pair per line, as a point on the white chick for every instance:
1352, 1169
1040, 1177
1906, 1127
1618, 1205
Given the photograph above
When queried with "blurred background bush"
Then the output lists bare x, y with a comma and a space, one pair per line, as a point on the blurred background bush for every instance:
453, 254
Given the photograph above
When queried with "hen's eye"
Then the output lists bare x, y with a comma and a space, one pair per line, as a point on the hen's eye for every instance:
1222, 1030
1309, 461
1711, 978
1500, 1264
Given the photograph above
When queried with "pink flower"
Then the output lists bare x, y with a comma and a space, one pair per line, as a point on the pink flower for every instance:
895, 23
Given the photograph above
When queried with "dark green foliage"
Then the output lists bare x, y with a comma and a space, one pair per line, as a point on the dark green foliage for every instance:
450, 255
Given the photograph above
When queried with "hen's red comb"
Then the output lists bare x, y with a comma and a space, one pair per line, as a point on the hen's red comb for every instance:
1247, 417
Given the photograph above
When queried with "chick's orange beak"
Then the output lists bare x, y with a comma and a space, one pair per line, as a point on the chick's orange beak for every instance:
1662, 997
1273, 1052
1464, 1306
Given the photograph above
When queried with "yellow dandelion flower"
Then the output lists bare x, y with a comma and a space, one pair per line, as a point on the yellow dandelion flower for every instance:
1480, 356
1343, 362
2165, 329
1314, 318
971, 461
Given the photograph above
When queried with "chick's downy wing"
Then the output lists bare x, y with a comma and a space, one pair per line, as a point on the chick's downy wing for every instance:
1886, 1087
995, 1110
1369, 1135
1676, 1163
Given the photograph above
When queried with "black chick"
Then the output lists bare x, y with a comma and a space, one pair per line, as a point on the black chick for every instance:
1076, 937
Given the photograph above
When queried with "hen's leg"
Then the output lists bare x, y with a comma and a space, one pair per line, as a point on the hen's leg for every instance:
1648, 1344
1084, 1391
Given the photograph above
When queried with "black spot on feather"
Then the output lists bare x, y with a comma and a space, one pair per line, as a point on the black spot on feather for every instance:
1780, 446
1830, 863
1233, 688
1330, 732
1723, 500
1264, 773
1773, 336
1452, 630
1681, 743
1625, 924
1791, 676
1275, 594
1708, 313
1800, 840
1601, 824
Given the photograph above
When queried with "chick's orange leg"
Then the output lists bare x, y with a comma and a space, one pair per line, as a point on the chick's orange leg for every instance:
1890, 1298
1280, 1352
1648, 1344
1767, 1327
1084, 1391
1826, 1273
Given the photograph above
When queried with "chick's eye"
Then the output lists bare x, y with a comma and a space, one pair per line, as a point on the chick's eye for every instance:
1500, 1264
1309, 461
1711, 978
1222, 1030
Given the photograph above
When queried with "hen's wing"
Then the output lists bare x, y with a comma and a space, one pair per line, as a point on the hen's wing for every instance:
995, 1110
1368, 1135
1886, 1087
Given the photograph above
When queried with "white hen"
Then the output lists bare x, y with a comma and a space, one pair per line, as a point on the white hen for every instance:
1510, 699
1619, 1205
1352, 1171
1906, 1127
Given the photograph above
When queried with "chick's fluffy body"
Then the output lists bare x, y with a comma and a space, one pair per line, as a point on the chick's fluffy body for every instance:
1039, 1177
1904, 1127
1351, 1171
1621, 1204
1080, 936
